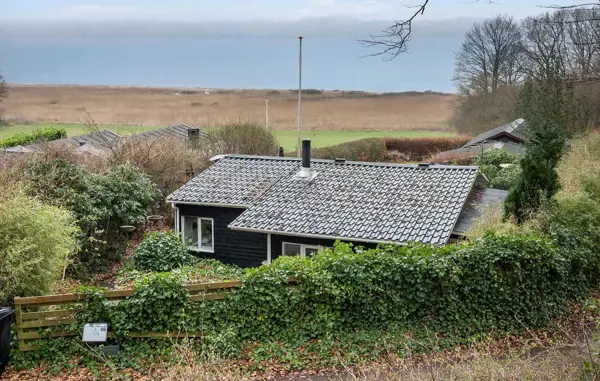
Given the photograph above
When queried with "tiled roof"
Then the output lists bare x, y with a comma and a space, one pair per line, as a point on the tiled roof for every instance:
351, 200
178, 131
478, 200
474, 151
365, 202
514, 130
234, 180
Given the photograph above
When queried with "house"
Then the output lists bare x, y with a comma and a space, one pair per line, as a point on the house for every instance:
249, 210
509, 137
100, 142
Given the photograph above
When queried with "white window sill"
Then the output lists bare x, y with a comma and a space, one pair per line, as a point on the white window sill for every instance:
200, 250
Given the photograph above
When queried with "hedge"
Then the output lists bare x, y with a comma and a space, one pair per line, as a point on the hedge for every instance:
370, 149
497, 284
39, 135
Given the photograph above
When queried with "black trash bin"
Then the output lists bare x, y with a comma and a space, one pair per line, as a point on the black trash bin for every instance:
6, 315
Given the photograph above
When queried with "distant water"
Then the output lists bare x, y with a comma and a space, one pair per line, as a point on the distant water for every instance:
227, 63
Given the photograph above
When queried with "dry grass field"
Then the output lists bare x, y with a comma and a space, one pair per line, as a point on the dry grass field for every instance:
331, 111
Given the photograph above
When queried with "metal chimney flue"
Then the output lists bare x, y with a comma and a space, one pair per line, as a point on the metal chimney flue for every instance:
306, 153
305, 172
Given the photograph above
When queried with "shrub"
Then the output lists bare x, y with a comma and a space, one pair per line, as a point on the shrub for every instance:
245, 138
162, 251
170, 162
499, 177
101, 204
39, 135
35, 242
548, 109
371, 149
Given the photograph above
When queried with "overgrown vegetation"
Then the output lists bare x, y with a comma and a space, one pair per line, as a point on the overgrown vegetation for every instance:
39, 135
500, 167
245, 137
102, 203
162, 251
548, 110
36, 241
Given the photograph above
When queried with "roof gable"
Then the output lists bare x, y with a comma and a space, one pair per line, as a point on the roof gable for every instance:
514, 131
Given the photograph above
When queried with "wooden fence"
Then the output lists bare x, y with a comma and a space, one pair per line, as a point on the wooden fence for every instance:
33, 313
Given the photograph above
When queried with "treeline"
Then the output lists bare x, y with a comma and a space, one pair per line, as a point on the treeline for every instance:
499, 55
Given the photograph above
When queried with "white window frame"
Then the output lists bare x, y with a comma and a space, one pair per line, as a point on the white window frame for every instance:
199, 247
303, 248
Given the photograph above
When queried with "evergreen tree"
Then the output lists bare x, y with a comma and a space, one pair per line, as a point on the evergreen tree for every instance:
548, 111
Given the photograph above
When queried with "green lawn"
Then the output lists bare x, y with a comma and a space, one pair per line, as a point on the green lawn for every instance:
287, 138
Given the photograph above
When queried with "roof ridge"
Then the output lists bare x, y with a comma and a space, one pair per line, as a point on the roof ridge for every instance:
350, 162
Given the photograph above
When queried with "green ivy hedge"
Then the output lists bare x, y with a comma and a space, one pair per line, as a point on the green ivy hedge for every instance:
497, 284
349, 299
39, 135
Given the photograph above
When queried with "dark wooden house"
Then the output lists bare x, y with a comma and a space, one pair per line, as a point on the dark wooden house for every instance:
249, 210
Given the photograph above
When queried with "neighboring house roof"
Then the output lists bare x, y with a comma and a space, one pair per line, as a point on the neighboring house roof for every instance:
474, 151
478, 200
356, 201
94, 141
178, 131
509, 137
98, 141
514, 131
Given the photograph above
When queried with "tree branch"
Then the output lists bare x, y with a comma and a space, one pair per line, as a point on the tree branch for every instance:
393, 39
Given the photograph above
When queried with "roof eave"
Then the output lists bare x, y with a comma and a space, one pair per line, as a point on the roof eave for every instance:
322, 236
215, 204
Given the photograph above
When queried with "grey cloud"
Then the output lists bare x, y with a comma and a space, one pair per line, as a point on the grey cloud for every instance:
310, 27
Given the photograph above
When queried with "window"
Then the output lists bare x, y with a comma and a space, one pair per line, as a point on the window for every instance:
291, 249
198, 233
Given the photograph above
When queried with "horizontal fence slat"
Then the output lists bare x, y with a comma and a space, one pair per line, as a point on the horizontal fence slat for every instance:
49, 299
47, 314
212, 286
37, 335
203, 297
46, 323
28, 347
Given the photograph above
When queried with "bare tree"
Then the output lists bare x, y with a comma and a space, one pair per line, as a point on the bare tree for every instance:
545, 45
583, 31
489, 56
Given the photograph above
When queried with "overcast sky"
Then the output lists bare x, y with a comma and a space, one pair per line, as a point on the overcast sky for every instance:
275, 10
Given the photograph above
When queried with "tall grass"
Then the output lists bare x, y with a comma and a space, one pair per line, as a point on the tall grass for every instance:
583, 158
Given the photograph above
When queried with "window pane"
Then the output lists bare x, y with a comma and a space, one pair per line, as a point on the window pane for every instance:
206, 234
310, 251
291, 249
190, 230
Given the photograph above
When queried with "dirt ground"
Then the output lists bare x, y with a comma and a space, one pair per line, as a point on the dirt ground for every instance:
333, 111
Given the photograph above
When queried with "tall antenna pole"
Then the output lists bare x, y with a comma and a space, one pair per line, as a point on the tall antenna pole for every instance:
299, 146
267, 113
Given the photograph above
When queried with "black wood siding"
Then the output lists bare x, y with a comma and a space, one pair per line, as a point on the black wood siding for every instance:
277, 243
231, 246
